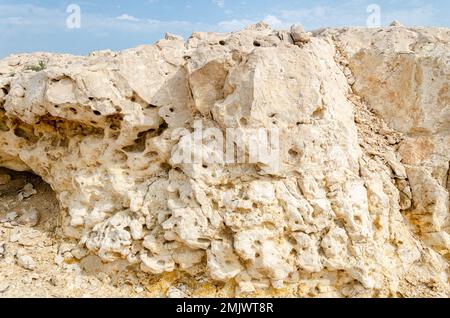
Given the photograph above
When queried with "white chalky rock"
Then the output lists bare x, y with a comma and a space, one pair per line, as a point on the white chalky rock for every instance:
29, 217
222, 253
177, 292
9, 217
354, 203
299, 35
25, 261
26, 192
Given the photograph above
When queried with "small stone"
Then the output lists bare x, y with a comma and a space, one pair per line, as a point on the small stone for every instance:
4, 178
18, 91
299, 35
9, 217
396, 23
79, 253
29, 279
25, 261
91, 264
176, 292
26, 192
24, 236
138, 289
29, 218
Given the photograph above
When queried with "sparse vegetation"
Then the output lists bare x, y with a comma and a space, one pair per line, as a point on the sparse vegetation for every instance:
37, 67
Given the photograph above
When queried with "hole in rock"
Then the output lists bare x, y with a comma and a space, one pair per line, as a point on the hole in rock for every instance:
138, 146
25, 134
165, 166
24, 205
243, 121
319, 113
293, 153
256, 43
3, 126
222, 42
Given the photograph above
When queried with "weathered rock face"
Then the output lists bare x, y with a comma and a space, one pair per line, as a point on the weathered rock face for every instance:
358, 204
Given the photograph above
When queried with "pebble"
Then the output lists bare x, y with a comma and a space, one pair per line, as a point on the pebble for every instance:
138, 289
9, 217
18, 91
25, 236
91, 264
79, 253
25, 261
30, 217
26, 192
177, 292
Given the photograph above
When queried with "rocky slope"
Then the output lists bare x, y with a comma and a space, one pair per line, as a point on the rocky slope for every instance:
357, 204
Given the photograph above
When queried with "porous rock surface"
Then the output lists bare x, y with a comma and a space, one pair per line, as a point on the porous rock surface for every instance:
358, 207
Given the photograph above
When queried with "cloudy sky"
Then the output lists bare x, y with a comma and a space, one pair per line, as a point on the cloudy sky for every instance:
41, 25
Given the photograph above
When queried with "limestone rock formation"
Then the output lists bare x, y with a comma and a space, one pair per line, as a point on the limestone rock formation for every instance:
358, 204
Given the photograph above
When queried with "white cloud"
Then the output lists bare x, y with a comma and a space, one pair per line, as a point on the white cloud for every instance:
419, 16
27, 14
126, 17
274, 21
234, 25
318, 13
219, 3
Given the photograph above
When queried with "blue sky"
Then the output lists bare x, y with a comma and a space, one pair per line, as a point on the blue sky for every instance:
40, 25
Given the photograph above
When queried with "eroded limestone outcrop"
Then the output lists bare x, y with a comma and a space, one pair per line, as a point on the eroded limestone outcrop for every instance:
359, 205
